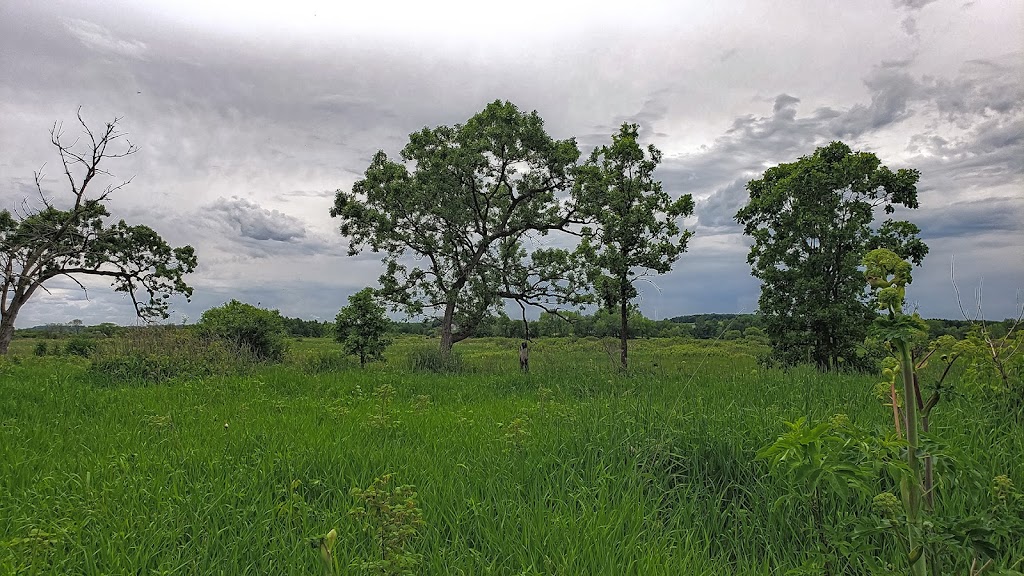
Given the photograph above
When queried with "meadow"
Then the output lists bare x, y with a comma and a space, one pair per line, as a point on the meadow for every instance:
570, 469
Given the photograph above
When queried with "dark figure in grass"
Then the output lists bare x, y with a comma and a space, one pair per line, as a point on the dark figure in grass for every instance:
524, 358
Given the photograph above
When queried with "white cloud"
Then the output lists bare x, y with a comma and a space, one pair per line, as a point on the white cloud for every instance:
99, 38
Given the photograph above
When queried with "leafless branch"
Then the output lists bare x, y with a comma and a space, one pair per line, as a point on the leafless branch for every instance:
80, 285
959, 301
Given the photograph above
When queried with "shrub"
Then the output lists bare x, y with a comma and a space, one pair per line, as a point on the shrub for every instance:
40, 349
246, 327
80, 346
756, 335
433, 360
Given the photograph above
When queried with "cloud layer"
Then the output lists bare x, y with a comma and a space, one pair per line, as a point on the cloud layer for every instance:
249, 117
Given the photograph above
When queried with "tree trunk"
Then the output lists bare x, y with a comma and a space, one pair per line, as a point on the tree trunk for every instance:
447, 340
7, 326
6, 332
624, 327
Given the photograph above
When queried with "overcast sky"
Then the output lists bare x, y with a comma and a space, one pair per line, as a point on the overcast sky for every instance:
249, 115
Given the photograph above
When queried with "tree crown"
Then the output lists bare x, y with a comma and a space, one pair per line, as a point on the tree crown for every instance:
40, 243
464, 201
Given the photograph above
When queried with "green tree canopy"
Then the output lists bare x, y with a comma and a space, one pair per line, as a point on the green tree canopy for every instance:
362, 327
636, 230
811, 223
454, 219
38, 244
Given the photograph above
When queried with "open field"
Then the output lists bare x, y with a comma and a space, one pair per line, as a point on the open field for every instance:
571, 469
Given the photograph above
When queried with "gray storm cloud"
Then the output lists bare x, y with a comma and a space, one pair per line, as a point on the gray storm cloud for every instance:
247, 124
253, 221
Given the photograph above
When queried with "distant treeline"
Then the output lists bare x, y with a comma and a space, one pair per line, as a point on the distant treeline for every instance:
603, 324
600, 324
295, 327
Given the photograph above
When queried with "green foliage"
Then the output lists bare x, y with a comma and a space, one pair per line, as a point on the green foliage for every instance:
392, 518
635, 223
810, 221
258, 331
300, 328
40, 349
107, 329
475, 193
995, 365
77, 241
838, 462
362, 327
293, 507
80, 346
888, 275
383, 416
834, 456
755, 334
841, 461
601, 323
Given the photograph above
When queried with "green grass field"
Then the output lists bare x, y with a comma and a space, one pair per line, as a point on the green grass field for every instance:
571, 469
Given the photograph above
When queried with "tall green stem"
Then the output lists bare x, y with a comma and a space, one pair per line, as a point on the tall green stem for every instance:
911, 487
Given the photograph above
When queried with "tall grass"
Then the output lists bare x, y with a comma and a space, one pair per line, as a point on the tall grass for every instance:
155, 354
570, 469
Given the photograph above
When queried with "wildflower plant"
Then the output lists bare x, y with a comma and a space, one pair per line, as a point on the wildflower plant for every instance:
392, 518
888, 275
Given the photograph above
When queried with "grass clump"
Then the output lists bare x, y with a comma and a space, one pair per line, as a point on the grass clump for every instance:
321, 362
430, 359
156, 354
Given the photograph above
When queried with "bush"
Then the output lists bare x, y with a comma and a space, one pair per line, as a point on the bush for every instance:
40, 349
80, 346
246, 328
433, 360
756, 335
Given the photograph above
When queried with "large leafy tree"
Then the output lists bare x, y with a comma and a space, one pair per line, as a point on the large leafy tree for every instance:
636, 230
455, 218
362, 327
811, 223
46, 239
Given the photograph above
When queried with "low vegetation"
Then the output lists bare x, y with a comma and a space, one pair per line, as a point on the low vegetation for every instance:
574, 468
